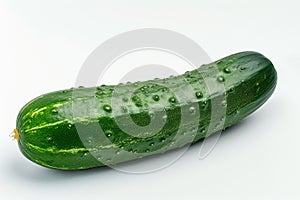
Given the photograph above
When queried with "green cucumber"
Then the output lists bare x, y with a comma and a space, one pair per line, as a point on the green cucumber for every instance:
88, 127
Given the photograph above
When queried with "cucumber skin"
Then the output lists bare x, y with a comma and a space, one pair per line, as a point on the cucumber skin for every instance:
48, 127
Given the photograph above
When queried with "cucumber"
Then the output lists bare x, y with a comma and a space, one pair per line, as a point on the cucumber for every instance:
82, 128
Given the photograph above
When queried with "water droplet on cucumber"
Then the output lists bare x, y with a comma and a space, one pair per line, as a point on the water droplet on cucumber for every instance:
172, 99
151, 115
204, 104
155, 97
219, 62
108, 133
192, 109
172, 144
107, 108
227, 70
221, 79
199, 95
54, 111
224, 103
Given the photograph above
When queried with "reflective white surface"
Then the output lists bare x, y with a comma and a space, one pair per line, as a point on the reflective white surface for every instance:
43, 44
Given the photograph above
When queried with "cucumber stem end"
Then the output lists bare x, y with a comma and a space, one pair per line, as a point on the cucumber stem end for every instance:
15, 135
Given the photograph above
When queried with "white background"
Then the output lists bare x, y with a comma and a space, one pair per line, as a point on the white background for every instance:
44, 43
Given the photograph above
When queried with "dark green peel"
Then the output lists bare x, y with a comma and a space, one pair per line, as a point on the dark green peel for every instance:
89, 127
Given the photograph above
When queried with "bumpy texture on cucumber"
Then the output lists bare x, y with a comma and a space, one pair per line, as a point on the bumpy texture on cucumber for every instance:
89, 127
